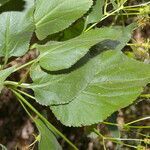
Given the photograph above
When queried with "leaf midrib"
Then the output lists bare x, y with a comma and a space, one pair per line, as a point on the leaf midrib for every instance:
6, 38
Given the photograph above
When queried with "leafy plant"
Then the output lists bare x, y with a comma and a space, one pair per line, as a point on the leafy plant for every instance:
83, 79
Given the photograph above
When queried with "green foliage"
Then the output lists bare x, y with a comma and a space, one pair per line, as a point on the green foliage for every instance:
62, 55
53, 89
96, 13
56, 15
113, 82
3, 75
16, 31
73, 31
47, 138
81, 74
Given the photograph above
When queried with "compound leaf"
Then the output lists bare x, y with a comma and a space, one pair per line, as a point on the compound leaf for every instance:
52, 16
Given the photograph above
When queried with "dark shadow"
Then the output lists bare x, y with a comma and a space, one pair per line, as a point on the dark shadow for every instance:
13, 5
93, 52
60, 36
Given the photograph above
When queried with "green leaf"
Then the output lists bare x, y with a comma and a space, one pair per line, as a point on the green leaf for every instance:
16, 31
62, 55
73, 31
111, 81
3, 75
2, 2
47, 138
96, 13
49, 88
52, 16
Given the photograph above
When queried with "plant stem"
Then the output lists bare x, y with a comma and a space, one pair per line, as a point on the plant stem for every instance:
147, 136
98, 133
25, 65
120, 139
105, 7
147, 45
135, 127
112, 124
121, 143
34, 142
25, 109
139, 127
116, 140
138, 120
26, 94
16, 84
111, 13
52, 128
30, 117
145, 95
107, 15
140, 5
103, 138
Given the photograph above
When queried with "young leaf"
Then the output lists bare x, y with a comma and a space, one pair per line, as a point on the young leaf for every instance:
96, 13
3, 75
62, 55
47, 138
16, 31
52, 16
111, 81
